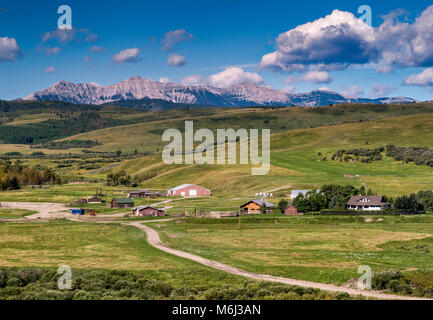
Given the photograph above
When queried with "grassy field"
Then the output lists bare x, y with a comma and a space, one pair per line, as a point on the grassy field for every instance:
6, 213
323, 249
92, 250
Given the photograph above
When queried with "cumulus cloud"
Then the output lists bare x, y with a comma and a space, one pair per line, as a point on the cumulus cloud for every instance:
50, 70
176, 60
340, 40
423, 79
164, 80
68, 35
317, 77
9, 49
127, 56
233, 76
173, 37
380, 90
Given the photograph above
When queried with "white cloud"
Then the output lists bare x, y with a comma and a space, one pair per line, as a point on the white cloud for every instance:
87, 59
193, 80
354, 91
9, 49
341, 40
176, 60
50, 70
164, 80
317, 77
127, 56
95, 49
173, 37
380, 90
289, 89
290, 79
233, 76
422, 79
337, 38
384, 69
67, 35
51, 51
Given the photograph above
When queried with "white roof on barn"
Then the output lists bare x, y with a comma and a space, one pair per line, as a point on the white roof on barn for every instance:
182, 186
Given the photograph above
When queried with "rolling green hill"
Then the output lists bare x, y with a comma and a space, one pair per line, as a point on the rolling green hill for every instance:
301, 139
296, 161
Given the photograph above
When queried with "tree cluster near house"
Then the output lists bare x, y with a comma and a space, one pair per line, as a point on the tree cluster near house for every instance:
337, 197
423, 200
330, 197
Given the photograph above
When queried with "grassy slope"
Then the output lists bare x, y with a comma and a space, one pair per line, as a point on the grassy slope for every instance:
296, 163
295, 160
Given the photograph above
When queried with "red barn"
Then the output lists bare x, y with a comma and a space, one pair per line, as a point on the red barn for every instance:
291, 211
188, 190
147, 211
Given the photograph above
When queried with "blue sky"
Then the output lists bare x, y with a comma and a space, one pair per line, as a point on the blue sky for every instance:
216, 35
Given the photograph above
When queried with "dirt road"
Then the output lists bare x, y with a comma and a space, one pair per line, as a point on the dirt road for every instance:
155, 241
44, 210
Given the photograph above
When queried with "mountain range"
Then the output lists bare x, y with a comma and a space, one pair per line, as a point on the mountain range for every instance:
243, 95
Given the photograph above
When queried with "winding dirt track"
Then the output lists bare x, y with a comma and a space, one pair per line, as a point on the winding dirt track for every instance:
155, 241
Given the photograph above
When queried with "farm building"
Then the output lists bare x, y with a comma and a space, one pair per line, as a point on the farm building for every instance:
188, 190
143, 194
122, 203
291, 211
367, 203
147, 211
255, 207
94, 200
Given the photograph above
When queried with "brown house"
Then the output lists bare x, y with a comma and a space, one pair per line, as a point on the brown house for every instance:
143, 194
291, 211
122, 203
147, 211
188, 190
137, 194
255, 207
94, 200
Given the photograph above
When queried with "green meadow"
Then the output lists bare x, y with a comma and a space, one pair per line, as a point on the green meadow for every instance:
315, 248
115, 262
